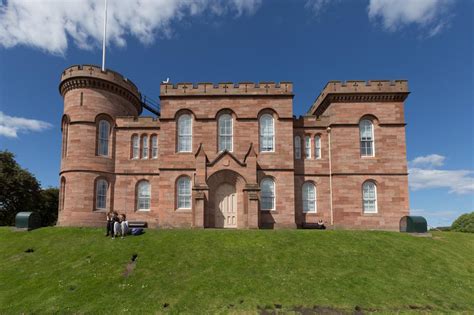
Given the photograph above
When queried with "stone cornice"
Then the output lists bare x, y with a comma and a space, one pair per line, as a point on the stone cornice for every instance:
359, 91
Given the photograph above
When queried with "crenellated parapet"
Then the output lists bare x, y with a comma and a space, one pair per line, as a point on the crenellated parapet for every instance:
92, 77
359, 91
226, 88
137, 122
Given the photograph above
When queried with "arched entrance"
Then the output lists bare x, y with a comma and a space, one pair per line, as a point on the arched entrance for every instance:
226, 208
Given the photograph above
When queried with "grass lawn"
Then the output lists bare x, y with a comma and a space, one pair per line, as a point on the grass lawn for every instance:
79, 270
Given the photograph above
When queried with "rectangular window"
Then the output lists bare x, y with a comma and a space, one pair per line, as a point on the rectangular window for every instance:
317, 147
154, 147
297, 147
135, 147
145, 147
307, 148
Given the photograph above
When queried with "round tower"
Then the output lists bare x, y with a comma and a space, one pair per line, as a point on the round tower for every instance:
92, 100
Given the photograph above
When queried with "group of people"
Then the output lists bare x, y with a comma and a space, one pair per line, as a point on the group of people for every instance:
117, 224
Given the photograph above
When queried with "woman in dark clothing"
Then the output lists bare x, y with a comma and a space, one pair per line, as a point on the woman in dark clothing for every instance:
112, 217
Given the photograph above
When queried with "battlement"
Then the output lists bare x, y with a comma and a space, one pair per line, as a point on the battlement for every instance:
95, 72
355, 87
137, 122
226, 88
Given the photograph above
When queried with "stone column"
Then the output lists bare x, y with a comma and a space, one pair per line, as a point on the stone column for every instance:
251, 192
199, 205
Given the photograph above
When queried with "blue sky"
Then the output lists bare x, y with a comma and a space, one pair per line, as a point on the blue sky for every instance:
429, 43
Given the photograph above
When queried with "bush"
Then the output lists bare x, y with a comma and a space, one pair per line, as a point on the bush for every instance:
465, 223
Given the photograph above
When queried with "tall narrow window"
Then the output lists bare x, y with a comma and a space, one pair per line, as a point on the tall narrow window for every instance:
145, 147
185, 133
62, 192
297, 147
317, 147
184, 193
65, 135
267, 198
101, 194
369, 196
135, 147
267, 133
143, 195
104, 131
225, 133
309, 197
366, 130
154, 146
307, 147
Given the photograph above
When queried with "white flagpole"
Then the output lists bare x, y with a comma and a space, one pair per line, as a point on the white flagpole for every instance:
104, 39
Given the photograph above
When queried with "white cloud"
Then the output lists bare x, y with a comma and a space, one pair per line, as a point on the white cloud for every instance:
437, 218
430, 15
422, 175
316, 5
48, 24
11, 126
429, 160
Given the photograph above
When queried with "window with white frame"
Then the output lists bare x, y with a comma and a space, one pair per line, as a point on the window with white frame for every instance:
369, 196
366, 131
297, 147
103, 138
62, 193
309, 197
267, 194
143, 195
267, 133
184, 192
65, 135
154, 147
101, 194
225, 133
145, 147
317, 147
185, 133
135, 147
307, 147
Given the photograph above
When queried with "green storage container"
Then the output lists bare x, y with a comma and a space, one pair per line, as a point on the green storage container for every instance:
27, 220
413, 224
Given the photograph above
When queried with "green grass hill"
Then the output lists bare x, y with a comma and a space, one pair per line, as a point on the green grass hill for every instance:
79, 270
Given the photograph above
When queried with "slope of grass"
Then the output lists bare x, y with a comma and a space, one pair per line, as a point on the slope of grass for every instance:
78, 270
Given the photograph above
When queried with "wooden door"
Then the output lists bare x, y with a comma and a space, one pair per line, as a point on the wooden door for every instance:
226, 212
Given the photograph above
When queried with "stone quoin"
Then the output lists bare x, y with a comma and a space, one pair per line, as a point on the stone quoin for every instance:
232, 155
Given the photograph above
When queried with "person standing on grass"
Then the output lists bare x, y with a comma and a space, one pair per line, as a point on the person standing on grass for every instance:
121, 226
111, 218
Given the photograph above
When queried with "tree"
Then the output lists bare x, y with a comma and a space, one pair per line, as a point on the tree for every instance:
465, 223
20, 191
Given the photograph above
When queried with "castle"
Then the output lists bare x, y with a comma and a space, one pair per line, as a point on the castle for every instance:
232, 155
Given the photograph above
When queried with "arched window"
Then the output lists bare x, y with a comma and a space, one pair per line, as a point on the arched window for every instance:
62, 193
65, 130
103, 135
267, 133
225, 133
135, 147
267, 198
307, 147
185, 133
366, 130
297, 147
369, 196
143, 195
145, 147
317, 147
309, 197
184, 192
154, 147
101, 194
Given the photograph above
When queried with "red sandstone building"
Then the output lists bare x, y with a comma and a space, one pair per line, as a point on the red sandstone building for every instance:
232, 155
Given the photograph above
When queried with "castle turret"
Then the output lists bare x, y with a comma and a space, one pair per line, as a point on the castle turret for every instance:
92, 100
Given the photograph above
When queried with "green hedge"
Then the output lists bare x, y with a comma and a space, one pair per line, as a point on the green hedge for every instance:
465, 223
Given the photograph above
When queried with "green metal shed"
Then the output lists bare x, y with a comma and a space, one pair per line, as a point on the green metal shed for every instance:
413, 224
27, 220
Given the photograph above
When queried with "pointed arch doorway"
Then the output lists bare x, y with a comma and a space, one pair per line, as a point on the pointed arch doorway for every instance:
226, 206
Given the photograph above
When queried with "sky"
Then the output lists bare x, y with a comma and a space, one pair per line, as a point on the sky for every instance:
309, 42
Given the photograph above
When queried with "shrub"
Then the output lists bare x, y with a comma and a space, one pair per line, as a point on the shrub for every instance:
465, 223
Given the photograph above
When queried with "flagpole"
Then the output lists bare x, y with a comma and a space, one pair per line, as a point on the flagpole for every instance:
104, 38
